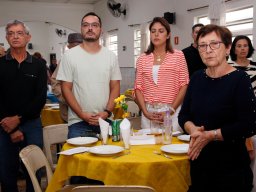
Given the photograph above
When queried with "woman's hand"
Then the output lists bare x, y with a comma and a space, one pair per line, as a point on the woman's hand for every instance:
154, 116
199, 139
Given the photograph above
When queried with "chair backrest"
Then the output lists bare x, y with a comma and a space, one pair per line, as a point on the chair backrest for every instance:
133, 108
54, 134
113, 188
135, 122
33, 158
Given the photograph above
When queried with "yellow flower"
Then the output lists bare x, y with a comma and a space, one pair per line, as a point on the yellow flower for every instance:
122, 97
126, 115
121, 103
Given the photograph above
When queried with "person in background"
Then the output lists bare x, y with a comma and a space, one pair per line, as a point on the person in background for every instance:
241, 50
23, 81
53, 65
90, 81
74, 39
219, 114
39, 56
191, 53
2, 51
161, 74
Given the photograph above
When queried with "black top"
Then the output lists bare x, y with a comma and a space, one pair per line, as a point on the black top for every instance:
193, 59
227, 103
23, 87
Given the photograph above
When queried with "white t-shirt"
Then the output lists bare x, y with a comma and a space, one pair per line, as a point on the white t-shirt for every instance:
90, 75
155, 72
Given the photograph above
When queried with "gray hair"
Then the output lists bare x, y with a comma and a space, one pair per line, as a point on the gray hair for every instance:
17, 22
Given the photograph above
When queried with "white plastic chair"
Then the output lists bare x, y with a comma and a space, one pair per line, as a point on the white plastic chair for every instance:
113, 188
135, 122
133, 108
34, 159
54, 134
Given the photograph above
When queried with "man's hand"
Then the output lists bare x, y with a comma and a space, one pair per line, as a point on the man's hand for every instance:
17, 136
10, 123
91, 118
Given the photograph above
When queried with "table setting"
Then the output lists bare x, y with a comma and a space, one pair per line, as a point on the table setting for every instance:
137, 159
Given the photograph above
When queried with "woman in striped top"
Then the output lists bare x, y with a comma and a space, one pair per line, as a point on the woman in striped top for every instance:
241, 50
161, 74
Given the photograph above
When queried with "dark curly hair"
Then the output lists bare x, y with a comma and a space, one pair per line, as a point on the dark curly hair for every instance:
233, 47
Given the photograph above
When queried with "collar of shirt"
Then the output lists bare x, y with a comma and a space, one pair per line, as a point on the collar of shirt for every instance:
28, 59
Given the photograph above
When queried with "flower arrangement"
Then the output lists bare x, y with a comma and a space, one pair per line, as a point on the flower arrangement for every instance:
121, 103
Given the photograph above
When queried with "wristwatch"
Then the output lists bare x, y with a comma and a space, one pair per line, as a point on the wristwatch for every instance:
109, 112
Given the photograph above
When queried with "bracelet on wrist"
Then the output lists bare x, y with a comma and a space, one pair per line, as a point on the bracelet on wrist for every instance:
109, 112
215, 135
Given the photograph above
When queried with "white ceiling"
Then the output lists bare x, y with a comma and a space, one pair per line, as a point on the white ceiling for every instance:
60, 1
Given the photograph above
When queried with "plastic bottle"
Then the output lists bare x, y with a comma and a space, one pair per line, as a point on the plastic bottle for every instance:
167, 132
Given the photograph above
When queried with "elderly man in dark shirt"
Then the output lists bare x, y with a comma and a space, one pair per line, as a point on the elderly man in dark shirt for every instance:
23, 82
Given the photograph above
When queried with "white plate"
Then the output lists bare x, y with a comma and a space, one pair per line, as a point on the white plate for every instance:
82, 140
175, 148
55, 107
184, 137
176, 133
51, 104
106, 149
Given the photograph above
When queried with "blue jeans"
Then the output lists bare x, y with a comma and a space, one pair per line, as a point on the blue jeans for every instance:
9, 154
82, 128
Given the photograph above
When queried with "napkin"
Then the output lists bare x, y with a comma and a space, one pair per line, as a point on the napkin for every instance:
142, 140
104, 127
125, 129
146, 132
74, 151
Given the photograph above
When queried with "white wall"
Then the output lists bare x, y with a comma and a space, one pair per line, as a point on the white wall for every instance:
68, 16
35, 15
141, 11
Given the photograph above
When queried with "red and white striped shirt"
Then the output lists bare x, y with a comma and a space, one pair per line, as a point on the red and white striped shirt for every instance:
172, 75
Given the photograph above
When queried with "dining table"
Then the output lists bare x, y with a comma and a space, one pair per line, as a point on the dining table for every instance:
142, 165
51, 115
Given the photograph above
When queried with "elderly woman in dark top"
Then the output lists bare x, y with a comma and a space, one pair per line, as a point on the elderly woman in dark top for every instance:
219, 112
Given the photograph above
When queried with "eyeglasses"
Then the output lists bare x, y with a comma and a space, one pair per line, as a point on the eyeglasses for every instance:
213, 45
92, 25
18, 33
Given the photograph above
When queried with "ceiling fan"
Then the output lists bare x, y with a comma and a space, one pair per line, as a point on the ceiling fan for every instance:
116, 9
60, 32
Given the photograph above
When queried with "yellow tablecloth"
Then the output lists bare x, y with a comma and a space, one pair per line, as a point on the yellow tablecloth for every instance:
141, 167
50, 117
